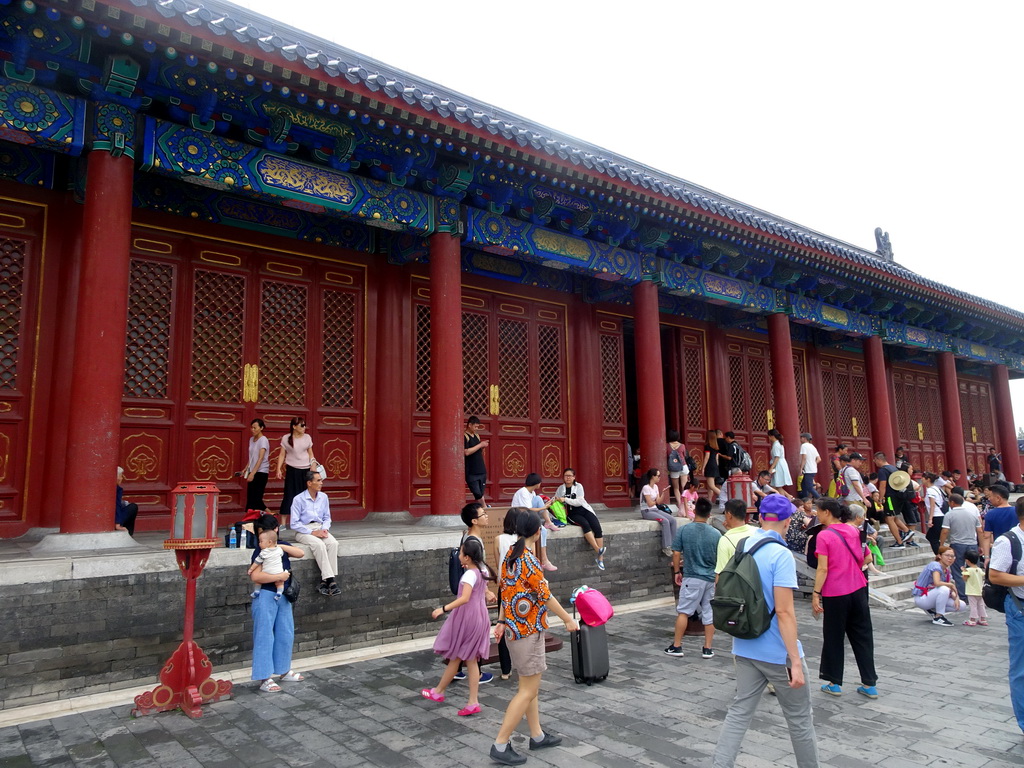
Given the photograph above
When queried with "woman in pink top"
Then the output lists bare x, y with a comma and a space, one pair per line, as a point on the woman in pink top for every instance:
293, 461
841, 594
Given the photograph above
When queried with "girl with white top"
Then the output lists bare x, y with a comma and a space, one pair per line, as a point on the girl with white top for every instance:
650, 497
257, 471
779, 466
297, 453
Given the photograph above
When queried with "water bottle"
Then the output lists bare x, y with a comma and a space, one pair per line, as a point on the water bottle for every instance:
233, 538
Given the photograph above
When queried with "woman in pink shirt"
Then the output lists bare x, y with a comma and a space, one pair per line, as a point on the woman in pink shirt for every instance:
841, 594
293, 461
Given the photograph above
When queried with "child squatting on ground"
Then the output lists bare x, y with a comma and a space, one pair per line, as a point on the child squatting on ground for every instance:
466, 633
270, 558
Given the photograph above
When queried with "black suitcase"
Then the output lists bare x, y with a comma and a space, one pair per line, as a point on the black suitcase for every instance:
589, 654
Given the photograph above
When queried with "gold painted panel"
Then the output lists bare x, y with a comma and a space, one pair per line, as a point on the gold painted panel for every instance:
145, 413
228, 259
613, 466
213, 416
151, 246
143, 456
551, 460
337, 456
423, 459
513, 460
5, 456
212, 458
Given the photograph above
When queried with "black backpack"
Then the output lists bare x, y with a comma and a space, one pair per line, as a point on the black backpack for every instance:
691, 464
739, 606
743, 460
675, 459
994, 595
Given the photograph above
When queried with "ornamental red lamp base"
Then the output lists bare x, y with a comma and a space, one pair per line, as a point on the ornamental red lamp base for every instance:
186, 683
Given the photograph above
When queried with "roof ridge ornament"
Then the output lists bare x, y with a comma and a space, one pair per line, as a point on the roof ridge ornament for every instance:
884, 247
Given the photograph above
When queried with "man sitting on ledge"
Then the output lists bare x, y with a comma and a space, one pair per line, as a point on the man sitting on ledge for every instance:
311, 521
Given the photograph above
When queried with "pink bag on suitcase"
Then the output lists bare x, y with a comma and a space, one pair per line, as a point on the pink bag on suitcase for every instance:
594, 607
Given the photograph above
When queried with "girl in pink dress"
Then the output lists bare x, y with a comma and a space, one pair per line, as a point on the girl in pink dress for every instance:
466, 634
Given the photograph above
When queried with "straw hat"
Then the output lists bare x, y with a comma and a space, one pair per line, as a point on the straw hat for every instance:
899, 480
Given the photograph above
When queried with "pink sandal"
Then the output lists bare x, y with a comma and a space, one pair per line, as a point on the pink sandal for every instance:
472, 709
970, 623
430, 693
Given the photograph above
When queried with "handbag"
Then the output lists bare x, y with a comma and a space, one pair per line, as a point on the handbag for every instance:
321, 469
292, 590
455, 569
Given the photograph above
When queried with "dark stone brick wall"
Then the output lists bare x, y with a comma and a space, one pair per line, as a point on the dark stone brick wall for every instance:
82, 636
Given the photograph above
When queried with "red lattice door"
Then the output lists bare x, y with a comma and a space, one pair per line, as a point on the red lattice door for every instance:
688, 386
216, 339
613, 409
844, 390
750, 387
19, 298
977, 421
513, 354
919, 415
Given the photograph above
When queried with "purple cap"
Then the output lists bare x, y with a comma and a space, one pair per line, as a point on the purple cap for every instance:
775, 507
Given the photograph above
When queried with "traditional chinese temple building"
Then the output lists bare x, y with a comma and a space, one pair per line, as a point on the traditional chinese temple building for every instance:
207, 216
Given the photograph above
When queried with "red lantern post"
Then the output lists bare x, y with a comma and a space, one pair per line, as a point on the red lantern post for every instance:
741, 486
185, 680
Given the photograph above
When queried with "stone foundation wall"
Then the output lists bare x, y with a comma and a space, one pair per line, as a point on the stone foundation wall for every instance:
79, 626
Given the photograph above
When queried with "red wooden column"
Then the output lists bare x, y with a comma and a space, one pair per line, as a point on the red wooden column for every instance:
787, 416
97, 381
447, 464
953, 430
1005, 423
390, 392
649, 388
878, 396
891, 392
816, 404
718, 393
585, 407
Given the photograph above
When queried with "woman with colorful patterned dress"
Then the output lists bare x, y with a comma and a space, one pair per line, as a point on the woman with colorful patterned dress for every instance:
522, 616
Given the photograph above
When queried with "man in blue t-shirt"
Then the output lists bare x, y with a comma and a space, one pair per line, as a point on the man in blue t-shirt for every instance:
776, 656
1000, 517
695, 548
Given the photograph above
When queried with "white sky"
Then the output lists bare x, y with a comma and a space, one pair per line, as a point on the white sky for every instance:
838, 116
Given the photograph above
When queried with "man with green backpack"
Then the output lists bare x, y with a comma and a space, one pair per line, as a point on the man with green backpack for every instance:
768, 650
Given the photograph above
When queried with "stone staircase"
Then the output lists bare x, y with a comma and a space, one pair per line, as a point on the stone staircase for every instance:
901, 569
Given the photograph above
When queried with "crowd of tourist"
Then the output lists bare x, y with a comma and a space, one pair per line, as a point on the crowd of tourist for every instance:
834, 526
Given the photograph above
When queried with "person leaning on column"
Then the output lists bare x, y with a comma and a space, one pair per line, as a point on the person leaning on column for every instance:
311, 521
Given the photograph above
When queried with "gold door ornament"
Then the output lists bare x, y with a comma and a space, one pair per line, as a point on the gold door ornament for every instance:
770, 417
853, 425
250, 383
974, 434
494, 401
920, 431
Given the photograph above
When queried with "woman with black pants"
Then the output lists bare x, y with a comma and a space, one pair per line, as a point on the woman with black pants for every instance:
580, 513
841, 594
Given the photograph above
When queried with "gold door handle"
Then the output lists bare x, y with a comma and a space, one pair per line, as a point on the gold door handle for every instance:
250, 383
495, 406
974, 434
853, 425
770, 417
920, 431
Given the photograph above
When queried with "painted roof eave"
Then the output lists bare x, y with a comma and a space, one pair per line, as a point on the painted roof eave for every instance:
317, 54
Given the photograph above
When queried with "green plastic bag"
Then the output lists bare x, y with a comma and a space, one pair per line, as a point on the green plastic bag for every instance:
557, 510
873, 548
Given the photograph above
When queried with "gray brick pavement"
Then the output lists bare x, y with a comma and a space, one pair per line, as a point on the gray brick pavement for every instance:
944, 702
